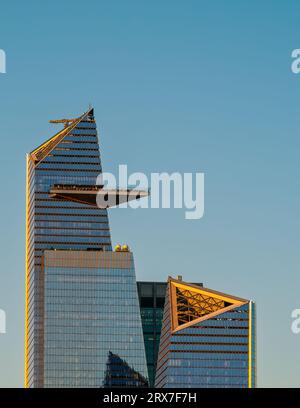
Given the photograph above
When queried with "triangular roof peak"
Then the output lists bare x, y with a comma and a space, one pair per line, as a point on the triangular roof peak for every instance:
191, 304
38, 154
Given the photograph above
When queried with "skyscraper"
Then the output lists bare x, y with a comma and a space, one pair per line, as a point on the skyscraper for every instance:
64, 220
207, 339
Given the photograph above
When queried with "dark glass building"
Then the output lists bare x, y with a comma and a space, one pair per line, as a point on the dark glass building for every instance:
152, 300
64, 219
207, 339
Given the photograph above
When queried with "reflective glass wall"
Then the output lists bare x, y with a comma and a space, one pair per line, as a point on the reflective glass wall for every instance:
92, 323
152, 300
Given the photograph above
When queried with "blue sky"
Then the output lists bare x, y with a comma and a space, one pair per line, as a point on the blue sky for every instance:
177, 86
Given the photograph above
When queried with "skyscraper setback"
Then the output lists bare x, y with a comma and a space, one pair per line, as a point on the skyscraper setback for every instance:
63, 221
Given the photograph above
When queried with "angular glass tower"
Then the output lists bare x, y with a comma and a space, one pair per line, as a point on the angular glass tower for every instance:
62, 215
207, 339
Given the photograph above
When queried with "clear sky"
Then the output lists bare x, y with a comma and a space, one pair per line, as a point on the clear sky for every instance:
176, 86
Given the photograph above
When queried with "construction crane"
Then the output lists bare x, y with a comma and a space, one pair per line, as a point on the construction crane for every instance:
66, 122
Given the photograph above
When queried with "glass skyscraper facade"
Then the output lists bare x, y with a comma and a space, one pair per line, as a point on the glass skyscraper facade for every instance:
71, 159
207, 339
152, 300
92, 325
